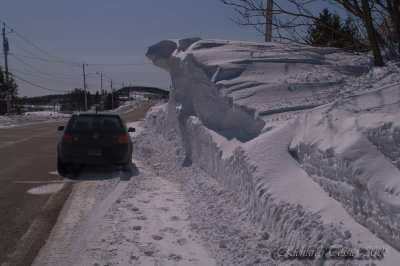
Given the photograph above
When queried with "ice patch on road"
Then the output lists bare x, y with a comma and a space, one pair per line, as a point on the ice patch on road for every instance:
46, 189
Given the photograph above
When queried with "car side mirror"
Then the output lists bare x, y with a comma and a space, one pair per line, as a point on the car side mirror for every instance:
61, 128
131, 129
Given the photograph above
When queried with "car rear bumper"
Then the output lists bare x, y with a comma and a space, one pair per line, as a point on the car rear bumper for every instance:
118, 154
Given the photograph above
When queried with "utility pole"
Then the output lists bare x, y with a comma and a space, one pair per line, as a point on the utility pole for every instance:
101, 83
84, 85
112, 97
5, 49
268, 21
102, 91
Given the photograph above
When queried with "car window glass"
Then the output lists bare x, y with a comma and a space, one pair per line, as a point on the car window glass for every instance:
96, 123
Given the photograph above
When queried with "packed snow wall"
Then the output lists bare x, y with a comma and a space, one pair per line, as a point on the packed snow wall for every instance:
202, 99
351, 149
284, 223
223, 97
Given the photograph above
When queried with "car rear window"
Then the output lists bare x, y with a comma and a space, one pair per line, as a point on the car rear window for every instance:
98, 123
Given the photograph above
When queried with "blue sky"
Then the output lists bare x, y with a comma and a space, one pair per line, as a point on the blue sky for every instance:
105, 32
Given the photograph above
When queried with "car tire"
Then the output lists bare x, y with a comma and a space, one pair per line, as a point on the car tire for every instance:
64, 169
127, 167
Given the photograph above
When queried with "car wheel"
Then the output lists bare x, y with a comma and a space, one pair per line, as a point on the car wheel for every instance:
127, 167
64, 168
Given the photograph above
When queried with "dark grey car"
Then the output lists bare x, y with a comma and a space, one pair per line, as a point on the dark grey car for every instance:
94, 138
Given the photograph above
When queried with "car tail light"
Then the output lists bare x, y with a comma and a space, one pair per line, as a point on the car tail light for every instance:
67, 138
123, 139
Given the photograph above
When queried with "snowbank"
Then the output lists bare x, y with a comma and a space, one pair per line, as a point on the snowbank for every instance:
48, 116
234, 106
203, 100
31, 117
126, 107
351, 149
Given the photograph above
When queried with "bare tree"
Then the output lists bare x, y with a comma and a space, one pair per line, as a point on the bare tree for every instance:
363, 10
396, 19
389, 11
292, 18
290, 21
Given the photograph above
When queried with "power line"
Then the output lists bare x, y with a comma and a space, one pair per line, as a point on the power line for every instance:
22, 48
54, 59
38, 70
41, 77
62, 61
33, 84
77, 64
95, 70
58, 59
48, 60
32, 44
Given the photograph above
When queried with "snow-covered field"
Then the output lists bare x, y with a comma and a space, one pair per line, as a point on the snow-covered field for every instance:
31, 117
265, 154
50, 116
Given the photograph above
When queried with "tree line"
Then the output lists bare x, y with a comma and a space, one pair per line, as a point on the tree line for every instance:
75, 100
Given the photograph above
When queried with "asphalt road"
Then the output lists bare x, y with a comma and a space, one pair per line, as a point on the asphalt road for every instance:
28, 160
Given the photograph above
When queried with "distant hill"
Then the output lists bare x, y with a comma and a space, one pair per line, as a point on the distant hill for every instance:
48, 99
43, 100
155, 90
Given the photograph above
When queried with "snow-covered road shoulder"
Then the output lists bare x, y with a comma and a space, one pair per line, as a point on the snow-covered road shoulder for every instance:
115, 218
146, 225
31, 118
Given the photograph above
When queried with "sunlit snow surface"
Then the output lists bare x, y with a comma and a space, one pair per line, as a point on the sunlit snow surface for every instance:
46, 189
310, 177
51, 116
31, 117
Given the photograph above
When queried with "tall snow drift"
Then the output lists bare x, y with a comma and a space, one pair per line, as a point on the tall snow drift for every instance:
196, 94
320, 177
